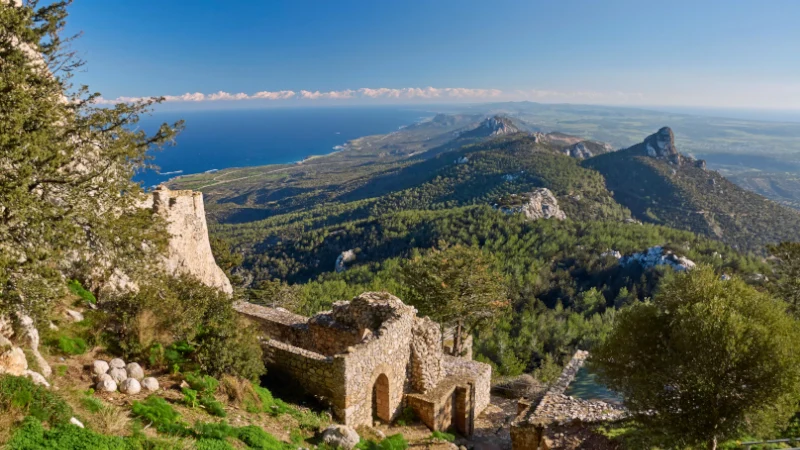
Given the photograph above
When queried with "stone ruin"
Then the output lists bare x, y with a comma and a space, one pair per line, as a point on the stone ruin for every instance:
372, 357
530, 430
189, 250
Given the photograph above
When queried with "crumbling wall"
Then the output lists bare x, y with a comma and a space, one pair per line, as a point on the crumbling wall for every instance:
478, 373
189, 250
426, 355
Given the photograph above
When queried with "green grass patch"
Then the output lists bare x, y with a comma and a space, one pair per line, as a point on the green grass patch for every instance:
77, 288
257, 438
393, 442
156, 411
21, 394
69, 345
442, 436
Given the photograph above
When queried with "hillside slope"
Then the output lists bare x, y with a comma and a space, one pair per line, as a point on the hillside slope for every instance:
660, 185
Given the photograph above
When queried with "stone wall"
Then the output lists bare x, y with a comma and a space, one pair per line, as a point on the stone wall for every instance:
426, 355
189, 249
368, 356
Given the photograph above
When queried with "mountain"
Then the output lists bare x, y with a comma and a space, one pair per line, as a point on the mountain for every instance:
492, 126
662, 186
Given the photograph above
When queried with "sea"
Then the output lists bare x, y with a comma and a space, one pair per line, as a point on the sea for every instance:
220, 139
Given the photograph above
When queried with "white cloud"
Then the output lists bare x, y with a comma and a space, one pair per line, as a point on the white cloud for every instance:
363, 93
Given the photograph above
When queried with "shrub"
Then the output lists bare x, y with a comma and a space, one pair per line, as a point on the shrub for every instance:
77, 288
21, 394
407, 417
393, 442
212, 406
182, 321
190, 397
161, 414
92, 404
442, 436
213, 444
257, 438
222, 430
204, 384
71, 346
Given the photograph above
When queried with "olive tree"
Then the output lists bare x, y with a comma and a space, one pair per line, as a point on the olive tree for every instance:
705, 360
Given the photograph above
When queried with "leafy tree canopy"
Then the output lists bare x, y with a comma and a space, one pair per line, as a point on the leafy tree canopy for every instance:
707, 359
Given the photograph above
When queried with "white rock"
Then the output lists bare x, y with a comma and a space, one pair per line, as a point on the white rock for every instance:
118, 375
130, 386
116, 363
150, 383
52, 326
100, 367
76, 422
134, 370
30, 336
12, 361
340, 436
37, 378
106, 385
102, 377
75, 315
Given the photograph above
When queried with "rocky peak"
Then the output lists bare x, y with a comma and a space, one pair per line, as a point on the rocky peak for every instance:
499, 126
661, 145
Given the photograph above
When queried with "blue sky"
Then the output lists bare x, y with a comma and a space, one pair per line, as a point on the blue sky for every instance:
709, 53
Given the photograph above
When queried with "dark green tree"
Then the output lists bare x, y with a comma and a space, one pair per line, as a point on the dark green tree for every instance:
705, 360
455, 286
66, 195
786, 263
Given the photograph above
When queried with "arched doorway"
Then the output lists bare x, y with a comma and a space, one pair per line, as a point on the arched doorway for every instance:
380, 399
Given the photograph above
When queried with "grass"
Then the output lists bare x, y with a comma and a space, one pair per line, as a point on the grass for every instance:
21, 396
442, 436
77, 288
70, 345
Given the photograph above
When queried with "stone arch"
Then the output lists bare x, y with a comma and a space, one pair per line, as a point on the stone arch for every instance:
381, 409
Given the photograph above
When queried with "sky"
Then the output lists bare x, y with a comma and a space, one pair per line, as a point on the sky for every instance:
710, 53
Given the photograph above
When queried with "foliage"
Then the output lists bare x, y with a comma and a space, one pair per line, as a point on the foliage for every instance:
393, 442
456, 285
190, 397
707, 359
257, 438
204, 384
442, 436
31, 435
61, 147
407, 417
70, 345
786, 264
182, 321
156, 411
212, 406
20, 394
77, 288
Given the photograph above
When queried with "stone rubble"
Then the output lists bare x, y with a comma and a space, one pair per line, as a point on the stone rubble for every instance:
657, 256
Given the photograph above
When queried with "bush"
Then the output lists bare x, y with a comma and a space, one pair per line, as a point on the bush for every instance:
77, 288
212, 406
257, 438
213, 444
190, 397
407, 417
161, 414
442, 436
71, 346
21, 394
181, 321
204, 384
393, 442
220, 430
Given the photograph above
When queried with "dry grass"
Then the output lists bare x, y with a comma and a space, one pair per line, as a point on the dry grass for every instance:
110, 419
8, 419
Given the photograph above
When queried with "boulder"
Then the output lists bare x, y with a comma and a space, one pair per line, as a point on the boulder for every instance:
37, 378
116, 363
106, 385
150, 383
102, 377
12, 361
542, 204
75, 316
340, 436
30, 336
100, 367
118, 375
130, 386
134, 370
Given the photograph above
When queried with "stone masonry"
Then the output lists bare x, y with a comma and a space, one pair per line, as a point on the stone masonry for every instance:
189, 248
369, 358
529, 431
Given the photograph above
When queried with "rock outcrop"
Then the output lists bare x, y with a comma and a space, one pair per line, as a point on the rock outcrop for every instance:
661, 145
345, 258
657, 256
492, 126
587, 149
189, 248
539, 204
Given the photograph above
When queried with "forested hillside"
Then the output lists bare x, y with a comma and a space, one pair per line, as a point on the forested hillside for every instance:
678, 192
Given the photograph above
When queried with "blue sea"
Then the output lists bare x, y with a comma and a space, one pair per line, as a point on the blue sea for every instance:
215, 140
